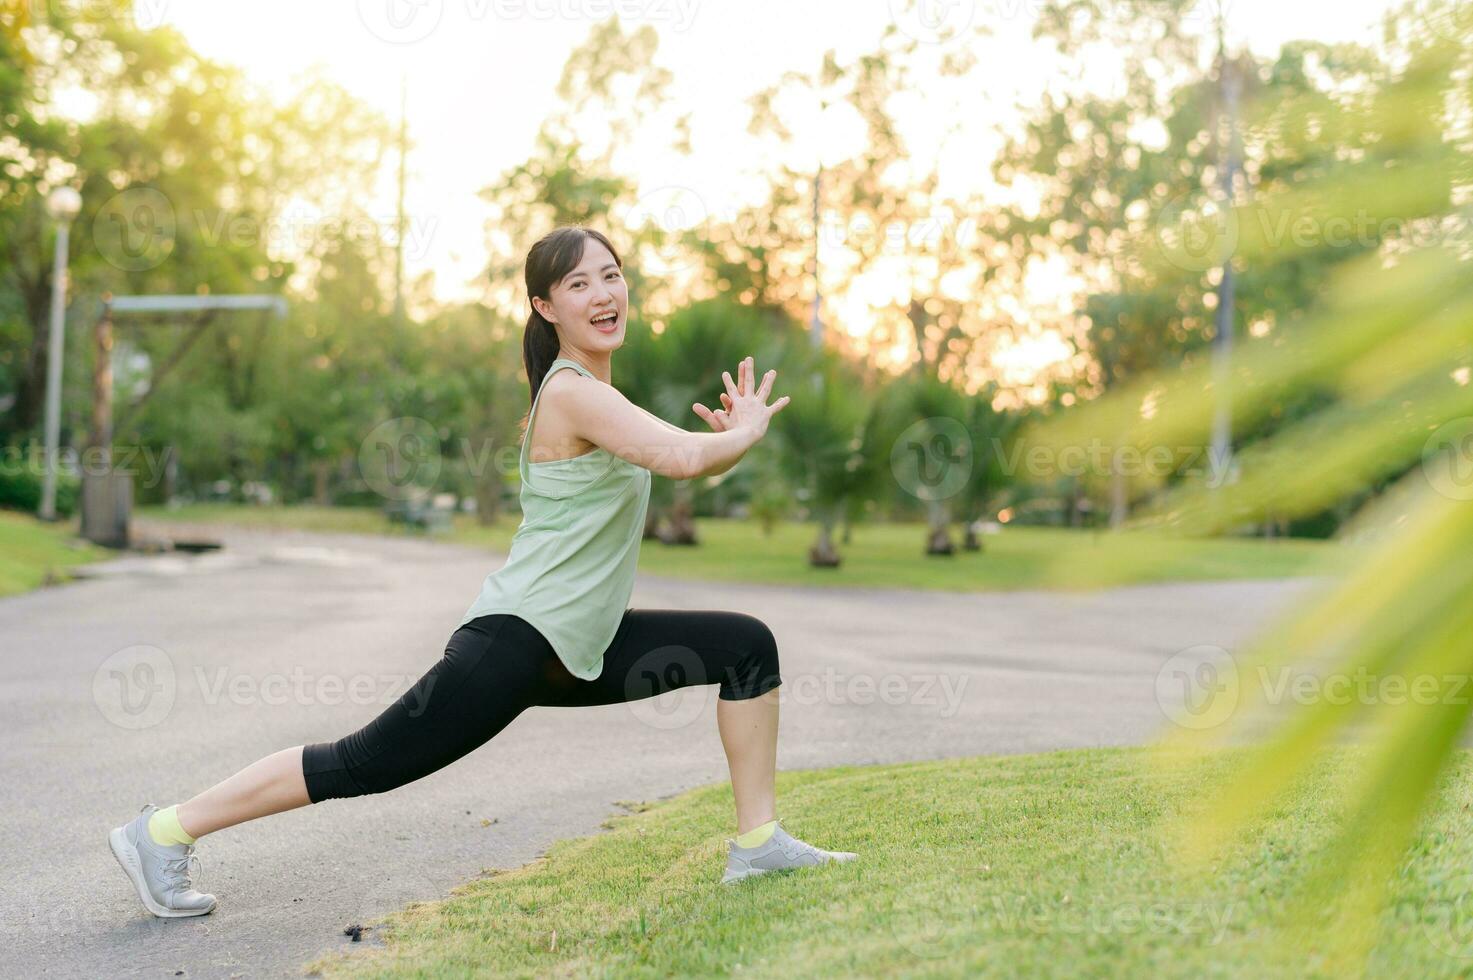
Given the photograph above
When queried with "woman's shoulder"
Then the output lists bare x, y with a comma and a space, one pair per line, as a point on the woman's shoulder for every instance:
556, 401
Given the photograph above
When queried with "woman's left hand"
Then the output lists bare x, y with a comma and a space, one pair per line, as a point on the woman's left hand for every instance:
718, 420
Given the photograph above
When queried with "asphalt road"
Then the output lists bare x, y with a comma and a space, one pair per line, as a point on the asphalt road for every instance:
154, 681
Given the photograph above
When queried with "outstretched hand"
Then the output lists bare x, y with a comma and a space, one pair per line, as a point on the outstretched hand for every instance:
741, 406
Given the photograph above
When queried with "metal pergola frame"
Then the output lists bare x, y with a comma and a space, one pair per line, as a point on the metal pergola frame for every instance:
107, 501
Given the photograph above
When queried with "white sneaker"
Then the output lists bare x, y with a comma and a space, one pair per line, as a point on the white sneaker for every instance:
160, 872
780, 852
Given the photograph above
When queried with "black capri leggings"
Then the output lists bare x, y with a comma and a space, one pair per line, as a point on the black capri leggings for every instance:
497, 666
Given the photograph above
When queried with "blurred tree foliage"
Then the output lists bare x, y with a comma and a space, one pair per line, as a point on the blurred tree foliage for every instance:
1094, 175
1383, 336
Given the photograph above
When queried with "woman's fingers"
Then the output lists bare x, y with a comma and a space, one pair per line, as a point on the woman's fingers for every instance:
717, 420
766, 387
731, 388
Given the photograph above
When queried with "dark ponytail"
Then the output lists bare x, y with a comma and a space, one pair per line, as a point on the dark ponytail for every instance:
554, 256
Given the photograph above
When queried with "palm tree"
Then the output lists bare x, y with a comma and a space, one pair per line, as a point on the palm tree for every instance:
991, 430
828, 434
699, 343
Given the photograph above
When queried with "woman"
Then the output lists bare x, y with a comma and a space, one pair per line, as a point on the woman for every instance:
552, 626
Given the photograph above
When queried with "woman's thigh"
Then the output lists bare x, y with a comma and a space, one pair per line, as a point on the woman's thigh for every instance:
491, 671
658, 650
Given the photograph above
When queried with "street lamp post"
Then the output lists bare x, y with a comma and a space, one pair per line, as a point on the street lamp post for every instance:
63, 205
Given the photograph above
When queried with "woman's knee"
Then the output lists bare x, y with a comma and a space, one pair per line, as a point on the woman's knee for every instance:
328, 774
759, 670
460, 703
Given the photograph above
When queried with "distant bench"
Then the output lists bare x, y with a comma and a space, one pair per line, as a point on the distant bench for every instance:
418, 513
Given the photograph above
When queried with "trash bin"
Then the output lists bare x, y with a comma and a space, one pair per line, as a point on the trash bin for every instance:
107, 506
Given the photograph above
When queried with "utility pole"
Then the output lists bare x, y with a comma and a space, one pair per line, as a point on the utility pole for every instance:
1229, 90
815, 325
64, 204
400, 223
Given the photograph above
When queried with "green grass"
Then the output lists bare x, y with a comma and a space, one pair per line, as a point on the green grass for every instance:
878, 556
33, 553
1044, 865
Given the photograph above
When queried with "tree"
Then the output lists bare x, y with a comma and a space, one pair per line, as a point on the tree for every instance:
828, 442
699, 343
1096, 175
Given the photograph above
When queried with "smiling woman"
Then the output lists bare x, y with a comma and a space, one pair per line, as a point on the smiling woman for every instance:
552, 626
580, 309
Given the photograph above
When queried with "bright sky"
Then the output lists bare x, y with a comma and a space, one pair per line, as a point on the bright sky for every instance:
481, 78
482, 72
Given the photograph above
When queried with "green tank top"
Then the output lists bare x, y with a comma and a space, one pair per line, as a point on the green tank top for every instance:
570, 570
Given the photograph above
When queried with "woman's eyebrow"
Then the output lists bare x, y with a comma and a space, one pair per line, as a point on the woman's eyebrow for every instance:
580, 272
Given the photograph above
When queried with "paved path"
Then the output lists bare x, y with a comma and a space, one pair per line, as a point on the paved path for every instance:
285, 638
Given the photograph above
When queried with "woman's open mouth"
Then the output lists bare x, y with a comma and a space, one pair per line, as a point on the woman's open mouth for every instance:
606, 322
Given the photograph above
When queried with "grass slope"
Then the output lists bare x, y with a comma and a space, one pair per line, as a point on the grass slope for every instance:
33, 552
1044, 865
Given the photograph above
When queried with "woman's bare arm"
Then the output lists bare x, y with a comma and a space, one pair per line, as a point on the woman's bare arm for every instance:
602, 415
672, 427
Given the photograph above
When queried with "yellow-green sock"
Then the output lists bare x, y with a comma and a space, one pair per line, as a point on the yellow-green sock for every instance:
164, 827
757, 836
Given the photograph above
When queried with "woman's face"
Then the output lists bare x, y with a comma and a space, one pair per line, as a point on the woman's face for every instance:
580, 304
